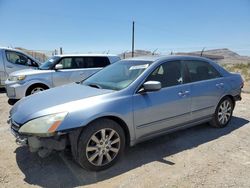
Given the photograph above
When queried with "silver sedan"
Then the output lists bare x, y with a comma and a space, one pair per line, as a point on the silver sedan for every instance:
124, 104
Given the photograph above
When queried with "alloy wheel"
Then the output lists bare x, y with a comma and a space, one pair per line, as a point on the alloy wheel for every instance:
224, 112
36, 90
103, 146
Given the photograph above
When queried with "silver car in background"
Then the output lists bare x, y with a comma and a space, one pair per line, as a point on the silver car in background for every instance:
124, 104
12, 60
56, 71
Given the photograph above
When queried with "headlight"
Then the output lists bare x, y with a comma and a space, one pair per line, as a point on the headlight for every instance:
43, 126
16, 78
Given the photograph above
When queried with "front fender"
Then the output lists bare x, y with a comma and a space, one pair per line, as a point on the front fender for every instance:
120, 108
31, 82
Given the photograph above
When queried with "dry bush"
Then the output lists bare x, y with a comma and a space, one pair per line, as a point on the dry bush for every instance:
243, 69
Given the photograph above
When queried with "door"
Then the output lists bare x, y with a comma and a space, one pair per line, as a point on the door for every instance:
166, 108
207, 88
17, 61
68, 72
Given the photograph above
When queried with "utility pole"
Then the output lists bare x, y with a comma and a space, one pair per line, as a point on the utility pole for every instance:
61, 52
133, 39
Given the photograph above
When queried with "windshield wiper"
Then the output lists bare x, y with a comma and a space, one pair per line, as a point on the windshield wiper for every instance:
95, 85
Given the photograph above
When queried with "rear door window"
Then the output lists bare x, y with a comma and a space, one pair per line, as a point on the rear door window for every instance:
95, 62
201, 70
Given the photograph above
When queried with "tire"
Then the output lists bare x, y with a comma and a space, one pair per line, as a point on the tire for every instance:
223, 113
100, 145
35, 89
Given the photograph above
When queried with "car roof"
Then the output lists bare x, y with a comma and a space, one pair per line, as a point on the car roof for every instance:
87, 55
168, 57
12, 49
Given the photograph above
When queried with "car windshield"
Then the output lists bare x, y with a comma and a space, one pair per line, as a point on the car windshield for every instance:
49, 63
118, 75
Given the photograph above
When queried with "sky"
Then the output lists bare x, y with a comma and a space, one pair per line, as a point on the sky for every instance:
106, 25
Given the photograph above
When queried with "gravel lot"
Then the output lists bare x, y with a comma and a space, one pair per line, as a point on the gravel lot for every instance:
197, 157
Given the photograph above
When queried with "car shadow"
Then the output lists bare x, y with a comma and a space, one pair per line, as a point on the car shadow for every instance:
10, 101
59, 169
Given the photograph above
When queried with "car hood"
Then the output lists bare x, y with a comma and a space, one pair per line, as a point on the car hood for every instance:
27, 72
65, 98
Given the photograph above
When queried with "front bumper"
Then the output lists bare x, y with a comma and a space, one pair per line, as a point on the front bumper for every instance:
237, 97
2, 81
15, 90
20, 139
35, 143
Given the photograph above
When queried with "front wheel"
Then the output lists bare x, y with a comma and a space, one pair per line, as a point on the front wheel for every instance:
223, 113
36, 89
100, 145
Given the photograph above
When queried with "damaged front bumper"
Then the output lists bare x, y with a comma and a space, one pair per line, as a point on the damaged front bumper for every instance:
42, 145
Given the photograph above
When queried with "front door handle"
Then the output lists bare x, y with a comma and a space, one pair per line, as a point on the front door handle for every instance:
9, 66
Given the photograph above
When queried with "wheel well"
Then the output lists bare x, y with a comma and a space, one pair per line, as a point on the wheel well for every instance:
232, 98
123, 126
36, 85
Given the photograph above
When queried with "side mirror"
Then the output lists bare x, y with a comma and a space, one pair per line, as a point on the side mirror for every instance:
150, 86
58, 66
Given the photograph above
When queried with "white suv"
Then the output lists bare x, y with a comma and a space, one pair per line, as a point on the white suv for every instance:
56, 71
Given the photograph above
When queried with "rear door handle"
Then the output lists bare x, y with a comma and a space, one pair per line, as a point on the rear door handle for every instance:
219, 85
183, 93
9, 66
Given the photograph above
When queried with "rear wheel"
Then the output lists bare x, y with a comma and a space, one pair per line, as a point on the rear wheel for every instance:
100, 145
223, 113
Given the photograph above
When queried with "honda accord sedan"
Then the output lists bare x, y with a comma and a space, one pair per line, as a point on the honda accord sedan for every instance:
124, 104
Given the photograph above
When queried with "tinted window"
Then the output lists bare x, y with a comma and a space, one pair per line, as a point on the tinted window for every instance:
94, 62
18, 58
169, 74
80, 62
84, 62
200, 70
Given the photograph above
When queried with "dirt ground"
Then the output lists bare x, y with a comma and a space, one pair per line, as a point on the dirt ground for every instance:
197, 157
